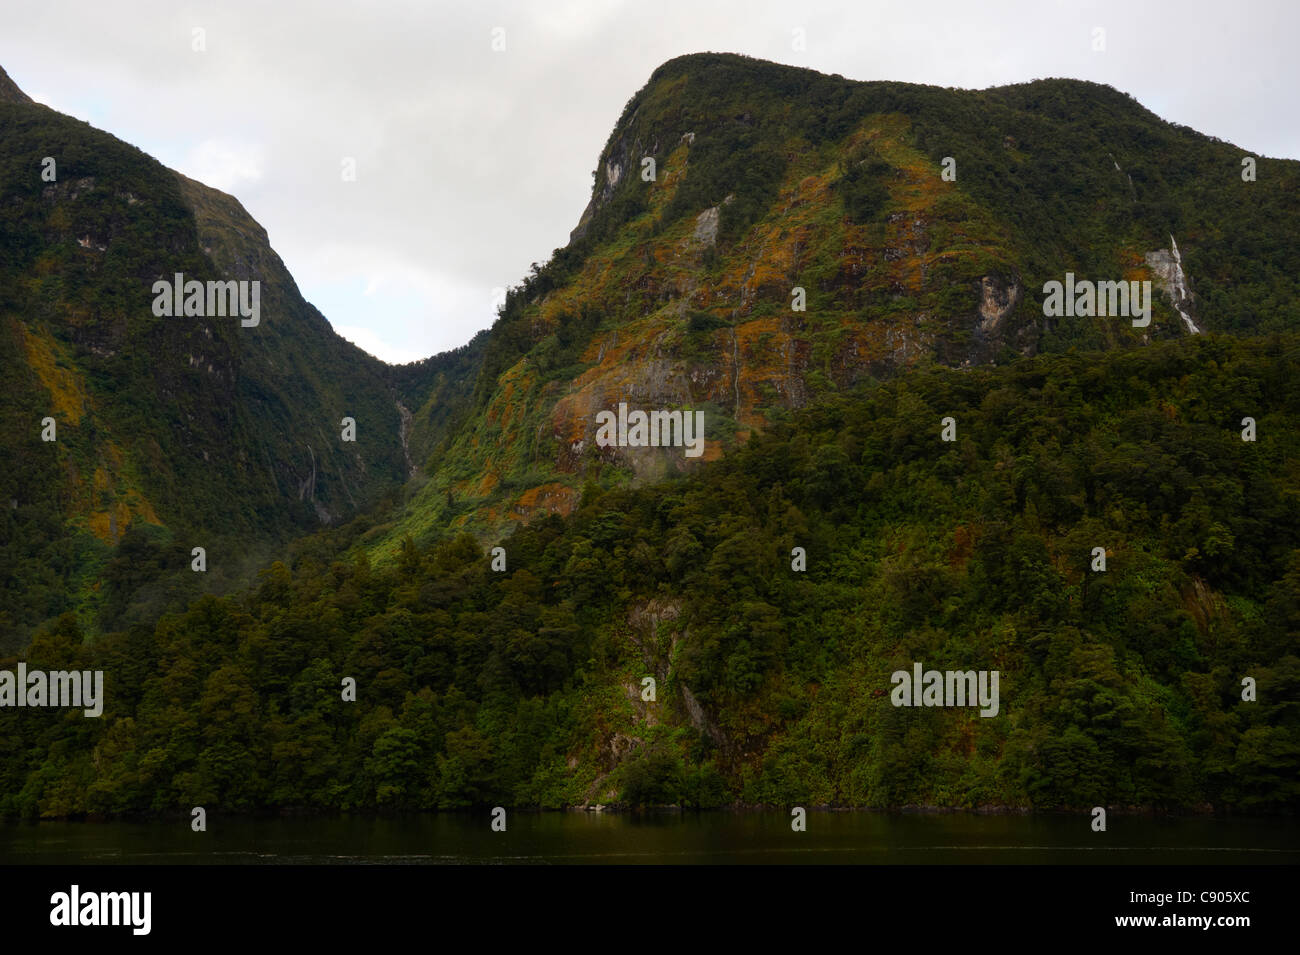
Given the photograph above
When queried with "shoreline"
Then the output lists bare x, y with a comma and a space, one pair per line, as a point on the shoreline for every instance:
1206, 812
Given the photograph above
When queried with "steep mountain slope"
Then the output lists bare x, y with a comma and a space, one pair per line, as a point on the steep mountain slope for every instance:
9, 91
171, 432
439, 391
527, 687
677, 292
827, 538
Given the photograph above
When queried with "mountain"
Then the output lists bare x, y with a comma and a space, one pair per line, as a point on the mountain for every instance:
772, 677
920, 470
677, 291
170, 432
9, 91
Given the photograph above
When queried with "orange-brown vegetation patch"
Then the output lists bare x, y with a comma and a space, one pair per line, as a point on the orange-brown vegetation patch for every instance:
546, 499
67, 394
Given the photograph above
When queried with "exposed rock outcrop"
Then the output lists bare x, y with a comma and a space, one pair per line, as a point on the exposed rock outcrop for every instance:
1168, 267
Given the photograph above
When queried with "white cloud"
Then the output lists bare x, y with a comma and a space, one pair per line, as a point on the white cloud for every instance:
224, 164
367, 340
77, 110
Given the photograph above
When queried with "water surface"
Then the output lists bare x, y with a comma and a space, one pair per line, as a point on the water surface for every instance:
665, 837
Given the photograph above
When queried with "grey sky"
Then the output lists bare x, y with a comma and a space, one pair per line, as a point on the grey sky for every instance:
471, 164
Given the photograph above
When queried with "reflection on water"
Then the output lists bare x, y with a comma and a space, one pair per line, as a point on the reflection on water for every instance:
712, 837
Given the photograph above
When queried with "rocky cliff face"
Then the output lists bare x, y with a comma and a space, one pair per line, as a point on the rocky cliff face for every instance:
1167, 264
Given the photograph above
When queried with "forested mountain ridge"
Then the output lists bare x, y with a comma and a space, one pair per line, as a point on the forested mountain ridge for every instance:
525, 687
728, 183
168, 432
919, 468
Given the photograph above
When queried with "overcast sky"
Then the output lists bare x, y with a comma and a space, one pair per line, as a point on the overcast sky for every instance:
473, 163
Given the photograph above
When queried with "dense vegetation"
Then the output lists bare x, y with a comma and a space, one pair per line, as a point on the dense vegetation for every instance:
834, 186
172, 432
438, 392
1040, 156
522, 687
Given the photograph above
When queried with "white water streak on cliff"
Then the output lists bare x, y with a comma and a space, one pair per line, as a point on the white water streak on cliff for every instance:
1178, 288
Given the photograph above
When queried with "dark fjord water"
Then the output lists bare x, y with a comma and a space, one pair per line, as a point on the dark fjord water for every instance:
712, 837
